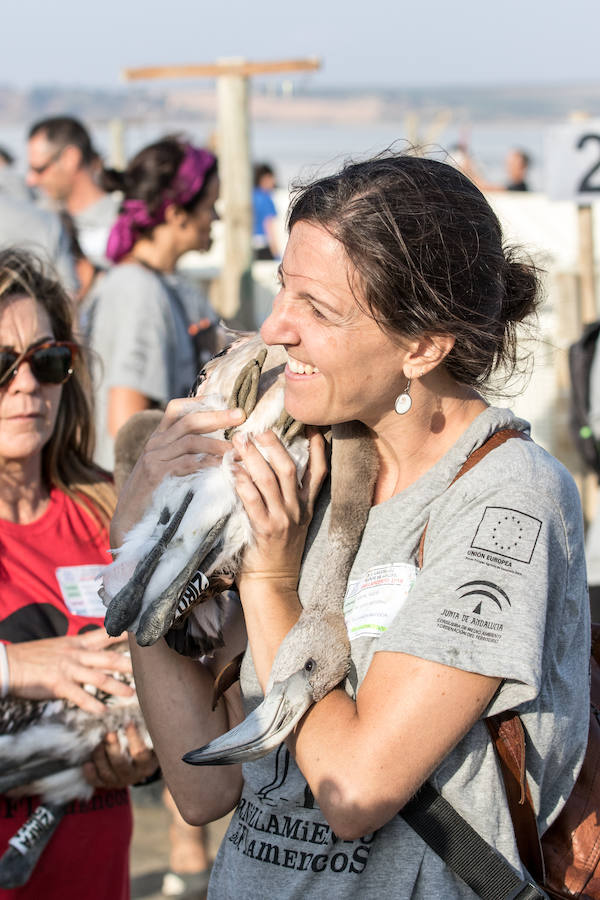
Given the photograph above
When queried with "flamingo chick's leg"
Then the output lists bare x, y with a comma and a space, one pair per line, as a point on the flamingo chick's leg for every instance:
28, 844
161, 613
126, 605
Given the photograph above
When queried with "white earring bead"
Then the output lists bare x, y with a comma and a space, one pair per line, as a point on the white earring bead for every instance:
403, 401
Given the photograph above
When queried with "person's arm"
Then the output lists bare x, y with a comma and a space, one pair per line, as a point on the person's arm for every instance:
123, 402
362, 760
176, 692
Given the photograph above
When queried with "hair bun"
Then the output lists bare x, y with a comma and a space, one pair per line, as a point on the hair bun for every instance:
112, 180
521, 289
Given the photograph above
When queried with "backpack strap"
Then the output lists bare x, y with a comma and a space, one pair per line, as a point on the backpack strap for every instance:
463, 849
506, 729
508, 736
498, 438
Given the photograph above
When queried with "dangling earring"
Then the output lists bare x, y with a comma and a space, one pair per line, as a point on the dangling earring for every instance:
403, 401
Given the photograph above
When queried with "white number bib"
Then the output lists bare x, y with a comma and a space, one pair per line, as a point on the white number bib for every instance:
372, 601
79, 588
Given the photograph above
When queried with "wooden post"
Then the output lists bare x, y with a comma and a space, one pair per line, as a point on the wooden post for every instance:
587, 274
587, 305
233, 129
117, 156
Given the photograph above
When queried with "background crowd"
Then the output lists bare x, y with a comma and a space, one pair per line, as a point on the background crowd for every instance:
96, 324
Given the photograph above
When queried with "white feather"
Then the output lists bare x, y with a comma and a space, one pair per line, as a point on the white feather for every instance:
214, 495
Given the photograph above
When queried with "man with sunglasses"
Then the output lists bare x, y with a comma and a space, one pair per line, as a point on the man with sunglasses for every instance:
65, 167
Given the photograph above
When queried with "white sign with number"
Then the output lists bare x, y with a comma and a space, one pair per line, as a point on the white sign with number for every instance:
573, 162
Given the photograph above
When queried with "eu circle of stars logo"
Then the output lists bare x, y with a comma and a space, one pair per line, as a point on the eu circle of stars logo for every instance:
507, 532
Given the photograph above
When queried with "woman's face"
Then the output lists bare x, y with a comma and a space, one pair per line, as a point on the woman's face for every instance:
198, 224
28, 409
341, 365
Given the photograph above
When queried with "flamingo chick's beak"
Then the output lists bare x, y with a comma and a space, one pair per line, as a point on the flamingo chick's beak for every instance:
263, 729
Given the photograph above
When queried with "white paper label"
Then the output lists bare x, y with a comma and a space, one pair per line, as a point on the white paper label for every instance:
196, 584
79, 588
372, 602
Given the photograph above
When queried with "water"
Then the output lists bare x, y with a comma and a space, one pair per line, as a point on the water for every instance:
298, 150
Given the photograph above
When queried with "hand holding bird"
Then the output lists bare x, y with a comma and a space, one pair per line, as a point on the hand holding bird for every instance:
59, 667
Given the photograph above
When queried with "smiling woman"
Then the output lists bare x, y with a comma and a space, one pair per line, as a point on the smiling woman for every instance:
464, 598
54, 508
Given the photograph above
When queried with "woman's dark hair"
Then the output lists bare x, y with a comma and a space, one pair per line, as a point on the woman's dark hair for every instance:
427, 256
67, 457
149, 176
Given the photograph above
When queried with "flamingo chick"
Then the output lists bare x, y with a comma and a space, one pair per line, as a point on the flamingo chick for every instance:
196, 528
43, 745
314, 656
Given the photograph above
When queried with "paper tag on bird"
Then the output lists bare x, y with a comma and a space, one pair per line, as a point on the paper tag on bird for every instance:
195, 586
373, 600
79, 588
34, 828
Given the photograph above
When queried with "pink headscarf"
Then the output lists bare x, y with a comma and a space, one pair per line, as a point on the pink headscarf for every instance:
135, 215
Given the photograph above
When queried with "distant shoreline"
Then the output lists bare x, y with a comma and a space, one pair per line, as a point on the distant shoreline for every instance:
277, 101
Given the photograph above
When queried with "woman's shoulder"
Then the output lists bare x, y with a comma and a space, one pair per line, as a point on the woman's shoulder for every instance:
126, 287
131, 276
527, 465
524, 473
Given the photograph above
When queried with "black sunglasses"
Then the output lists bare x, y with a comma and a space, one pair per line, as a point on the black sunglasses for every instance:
50, 362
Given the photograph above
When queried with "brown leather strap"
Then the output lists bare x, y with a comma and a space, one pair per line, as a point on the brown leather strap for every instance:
506, 729
507, 733
500, 437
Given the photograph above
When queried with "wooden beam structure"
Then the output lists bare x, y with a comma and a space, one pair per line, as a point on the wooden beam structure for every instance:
223, 67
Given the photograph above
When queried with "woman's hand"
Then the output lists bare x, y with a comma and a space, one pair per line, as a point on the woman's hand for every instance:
58, 668
279, 510
112, 767
173, 449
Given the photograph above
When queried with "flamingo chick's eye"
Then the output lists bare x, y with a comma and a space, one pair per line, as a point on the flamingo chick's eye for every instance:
309, 665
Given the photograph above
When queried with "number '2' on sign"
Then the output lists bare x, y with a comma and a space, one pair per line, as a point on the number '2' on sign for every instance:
573, 162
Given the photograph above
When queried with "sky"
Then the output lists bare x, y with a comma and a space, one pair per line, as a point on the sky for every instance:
377, 43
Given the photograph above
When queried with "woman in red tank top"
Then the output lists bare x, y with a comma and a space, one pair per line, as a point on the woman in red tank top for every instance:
55, 505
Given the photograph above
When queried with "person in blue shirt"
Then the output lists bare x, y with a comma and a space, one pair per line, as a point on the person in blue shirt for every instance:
264, 236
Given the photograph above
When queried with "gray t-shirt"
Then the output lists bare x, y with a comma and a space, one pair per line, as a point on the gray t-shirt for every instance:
502, 592
39, 231
138, 335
